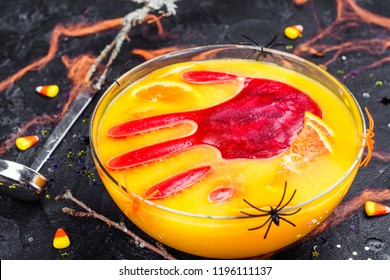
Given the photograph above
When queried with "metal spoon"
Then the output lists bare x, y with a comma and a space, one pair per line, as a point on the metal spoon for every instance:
26, 183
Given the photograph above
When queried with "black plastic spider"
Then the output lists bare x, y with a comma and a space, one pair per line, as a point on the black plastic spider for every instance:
274, 213
252, 42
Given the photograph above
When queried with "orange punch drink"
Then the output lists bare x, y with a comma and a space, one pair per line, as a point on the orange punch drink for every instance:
227, 151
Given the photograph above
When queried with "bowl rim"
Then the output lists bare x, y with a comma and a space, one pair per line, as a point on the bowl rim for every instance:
232, 46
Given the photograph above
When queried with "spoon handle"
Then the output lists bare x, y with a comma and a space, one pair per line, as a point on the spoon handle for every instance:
72, 114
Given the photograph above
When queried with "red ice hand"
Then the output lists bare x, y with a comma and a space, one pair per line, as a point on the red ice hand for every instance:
260, 121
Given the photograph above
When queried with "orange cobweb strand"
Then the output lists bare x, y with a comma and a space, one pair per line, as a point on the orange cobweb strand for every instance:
60, 30
10, 141
75, 30
150, 18
349, 14
370, 66
150, 54
349, 208
300, 2
383, 156
77, 70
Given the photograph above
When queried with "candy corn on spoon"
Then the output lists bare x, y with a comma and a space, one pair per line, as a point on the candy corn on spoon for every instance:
26, 183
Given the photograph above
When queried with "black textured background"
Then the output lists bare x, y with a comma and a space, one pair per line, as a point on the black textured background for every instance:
27, 229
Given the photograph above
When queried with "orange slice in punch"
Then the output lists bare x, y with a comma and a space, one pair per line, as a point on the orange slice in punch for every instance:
165, 91
313, 140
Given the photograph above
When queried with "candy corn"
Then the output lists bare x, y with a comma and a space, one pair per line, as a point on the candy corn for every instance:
23, 143
48, 90
61, 239
293, 32
376, 209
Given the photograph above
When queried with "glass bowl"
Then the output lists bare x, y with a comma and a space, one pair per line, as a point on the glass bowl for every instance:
292, 207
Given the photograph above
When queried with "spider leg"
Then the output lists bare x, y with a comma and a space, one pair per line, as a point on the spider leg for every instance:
259, 54
291, 198
253, 206
245, 43
269, 45
369, 135
249, 55
255, 215
291, 223
284, 193
370, 120
266, 233
259, 227
290, 214
275, 45
251, 43
251, 40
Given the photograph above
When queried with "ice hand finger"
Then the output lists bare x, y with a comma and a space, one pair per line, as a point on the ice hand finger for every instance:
150, 153
144, 125
176, 183
208, 77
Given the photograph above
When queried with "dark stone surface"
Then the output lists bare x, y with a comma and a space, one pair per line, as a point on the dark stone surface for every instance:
27, 229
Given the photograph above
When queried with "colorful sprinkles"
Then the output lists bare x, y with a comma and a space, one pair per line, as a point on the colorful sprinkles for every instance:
379, 83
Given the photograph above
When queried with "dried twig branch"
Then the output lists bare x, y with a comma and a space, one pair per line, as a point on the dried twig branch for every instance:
128, 22
158, 248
